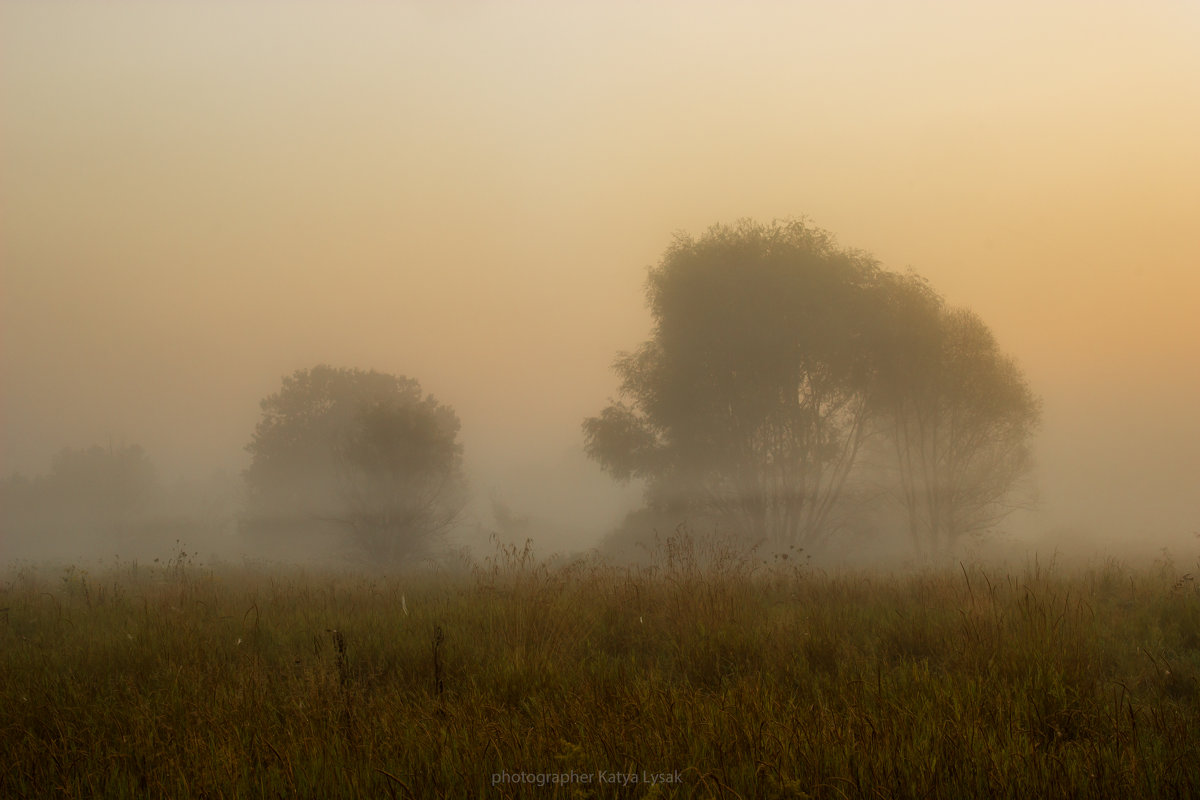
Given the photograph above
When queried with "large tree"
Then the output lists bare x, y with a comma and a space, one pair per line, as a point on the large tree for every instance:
363, 453
775, 356
749, 402
958, 412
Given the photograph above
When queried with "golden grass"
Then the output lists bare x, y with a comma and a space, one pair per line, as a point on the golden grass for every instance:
737, 678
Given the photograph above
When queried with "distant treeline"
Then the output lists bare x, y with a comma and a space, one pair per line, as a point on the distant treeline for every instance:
105, 500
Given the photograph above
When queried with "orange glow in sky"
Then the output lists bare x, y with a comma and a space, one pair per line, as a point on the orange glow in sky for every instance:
196, 199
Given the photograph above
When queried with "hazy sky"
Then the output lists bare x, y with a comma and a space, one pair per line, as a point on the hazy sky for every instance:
196, 199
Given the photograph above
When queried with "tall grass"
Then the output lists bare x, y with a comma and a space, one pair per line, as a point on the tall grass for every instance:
738, 678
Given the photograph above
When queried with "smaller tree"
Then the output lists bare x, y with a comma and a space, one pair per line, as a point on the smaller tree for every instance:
92, 498
360, 451
105, 486
961, 416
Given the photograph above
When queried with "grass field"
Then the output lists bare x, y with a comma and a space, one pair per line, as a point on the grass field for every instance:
709, 675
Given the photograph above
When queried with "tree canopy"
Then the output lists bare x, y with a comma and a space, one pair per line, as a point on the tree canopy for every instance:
746, 403
775, 355
360, 452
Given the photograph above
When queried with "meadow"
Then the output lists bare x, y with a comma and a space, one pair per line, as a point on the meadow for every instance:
709, 674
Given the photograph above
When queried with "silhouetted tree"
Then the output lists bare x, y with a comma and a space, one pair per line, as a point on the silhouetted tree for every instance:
775, 356
959, 413
751, 399
362, 451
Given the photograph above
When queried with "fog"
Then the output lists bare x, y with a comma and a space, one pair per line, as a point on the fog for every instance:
199, 199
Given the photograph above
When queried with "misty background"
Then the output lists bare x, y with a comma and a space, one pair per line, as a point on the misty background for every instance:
197, 200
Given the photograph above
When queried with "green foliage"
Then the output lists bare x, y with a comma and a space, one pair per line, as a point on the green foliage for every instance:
748, 679
361, 453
